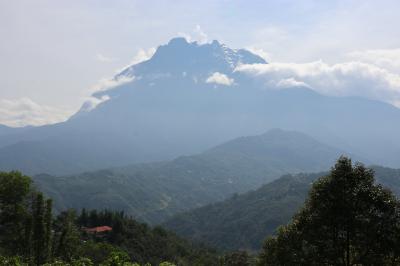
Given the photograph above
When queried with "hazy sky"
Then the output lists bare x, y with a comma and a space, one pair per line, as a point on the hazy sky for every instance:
53, 53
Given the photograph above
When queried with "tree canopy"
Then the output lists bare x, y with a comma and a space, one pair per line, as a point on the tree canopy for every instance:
31, 235
346, 220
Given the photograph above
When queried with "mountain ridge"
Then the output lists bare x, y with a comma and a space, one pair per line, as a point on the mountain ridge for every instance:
169, 109
154, 191
245, 220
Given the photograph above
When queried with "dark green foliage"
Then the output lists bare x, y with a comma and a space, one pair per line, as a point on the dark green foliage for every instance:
12, 261
39, 231
15, 190
117, 258
38, 239
28, 247
346, 220
238, 258
83, 217
25, 220
48, 221
243, 221
142, 243
68, 237
97, 251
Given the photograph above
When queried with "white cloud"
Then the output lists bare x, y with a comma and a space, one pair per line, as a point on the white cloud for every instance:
344, 79
143, 55
290, 83
24, 111
197, 35
200, 35
385, 58
260, 52
102, 58
110, 83
92, 102
219, 78
103, 85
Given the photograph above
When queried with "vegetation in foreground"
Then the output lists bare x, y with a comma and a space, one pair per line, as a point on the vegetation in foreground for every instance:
31, 235
346, 220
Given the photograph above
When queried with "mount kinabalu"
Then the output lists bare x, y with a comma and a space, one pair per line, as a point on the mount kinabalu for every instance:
190, 97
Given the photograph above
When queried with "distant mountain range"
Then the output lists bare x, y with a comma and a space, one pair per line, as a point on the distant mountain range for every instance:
153, 192
244, 221
188, 98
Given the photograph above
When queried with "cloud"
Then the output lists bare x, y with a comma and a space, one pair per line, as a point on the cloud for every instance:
290, 83
103, 85
344, 79
110, 83
200, 35
92, 102
143, 55
197, 35
102, 58
219, 78
260, 52
385, 58
24, 111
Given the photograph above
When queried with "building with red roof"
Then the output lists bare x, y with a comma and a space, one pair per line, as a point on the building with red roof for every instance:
98, 229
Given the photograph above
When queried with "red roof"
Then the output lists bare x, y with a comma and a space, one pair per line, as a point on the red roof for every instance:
98, 229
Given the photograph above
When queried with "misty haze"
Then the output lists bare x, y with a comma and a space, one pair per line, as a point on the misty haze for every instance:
226, 133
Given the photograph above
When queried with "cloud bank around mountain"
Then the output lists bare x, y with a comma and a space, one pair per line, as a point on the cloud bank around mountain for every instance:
343, 79
110, 83
384, 58
24, 111
372, 74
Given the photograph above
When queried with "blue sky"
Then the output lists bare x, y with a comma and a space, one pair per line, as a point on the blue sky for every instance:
53, 53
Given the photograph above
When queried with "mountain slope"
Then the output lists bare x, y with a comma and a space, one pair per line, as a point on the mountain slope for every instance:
244, 221
173, 104
5, 130
154, 191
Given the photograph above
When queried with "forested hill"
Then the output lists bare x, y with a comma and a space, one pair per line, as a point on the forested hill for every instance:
31, 235
154, 191
243, 221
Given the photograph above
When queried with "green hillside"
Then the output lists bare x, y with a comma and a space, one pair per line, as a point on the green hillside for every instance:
153, 192
243, 221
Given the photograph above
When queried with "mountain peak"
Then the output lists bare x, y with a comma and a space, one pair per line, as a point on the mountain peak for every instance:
178, 41
179, 55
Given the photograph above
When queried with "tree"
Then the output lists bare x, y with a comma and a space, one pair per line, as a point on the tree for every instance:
69, 238
83, 218
15, 189
39, 230
119, 258
48, 229
27, 253
12, 261
238, 258
346, 220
